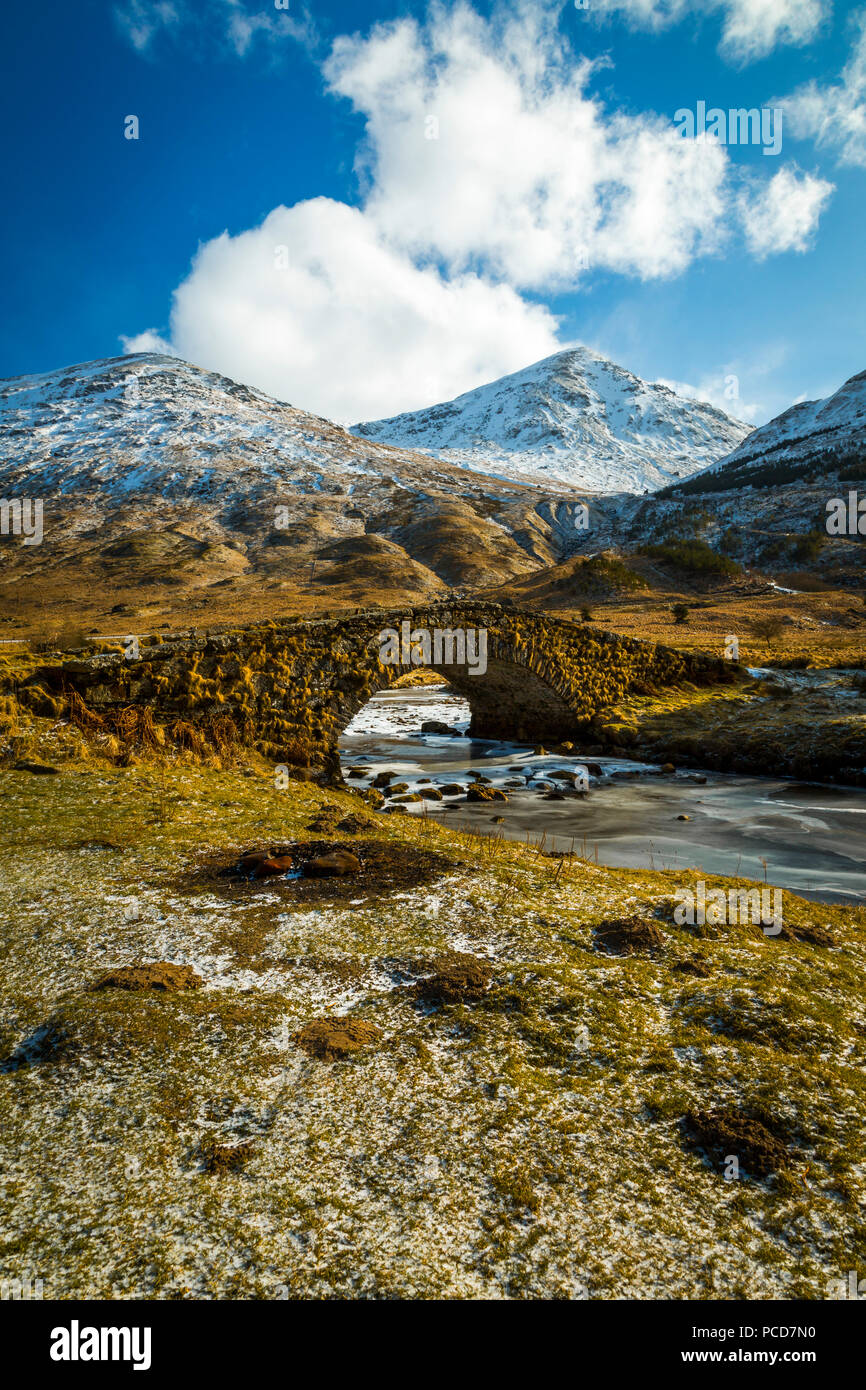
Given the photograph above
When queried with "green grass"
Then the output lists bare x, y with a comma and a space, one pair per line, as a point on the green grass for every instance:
524, 1144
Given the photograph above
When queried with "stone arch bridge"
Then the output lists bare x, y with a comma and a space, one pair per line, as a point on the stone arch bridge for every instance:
289, 688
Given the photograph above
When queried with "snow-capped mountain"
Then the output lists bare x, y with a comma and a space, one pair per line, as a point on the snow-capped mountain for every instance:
575, 417
155, 472
147, 424
827, 433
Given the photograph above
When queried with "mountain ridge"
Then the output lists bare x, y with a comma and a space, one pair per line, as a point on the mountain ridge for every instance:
826, 433
574, 417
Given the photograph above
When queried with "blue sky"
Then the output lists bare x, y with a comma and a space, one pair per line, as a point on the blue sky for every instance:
367, 207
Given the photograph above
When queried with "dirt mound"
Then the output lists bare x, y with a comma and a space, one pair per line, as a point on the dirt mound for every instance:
457, 979
622, 936
385, 867
693, 966
330, 1039
728, 1132
160, 974
808, 932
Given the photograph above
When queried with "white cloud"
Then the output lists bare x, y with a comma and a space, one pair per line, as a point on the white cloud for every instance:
835, 116
529, 186
315, 307
228, 22
141, 20
721, 390
750, 29
526, 170
784, 215
148, 341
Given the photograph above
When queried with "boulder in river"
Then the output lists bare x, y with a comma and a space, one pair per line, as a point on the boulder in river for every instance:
383, 778
479, 792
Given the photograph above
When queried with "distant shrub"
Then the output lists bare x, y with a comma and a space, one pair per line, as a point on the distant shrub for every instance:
605, 574
768, 628
695, 557
808, 547
680, 612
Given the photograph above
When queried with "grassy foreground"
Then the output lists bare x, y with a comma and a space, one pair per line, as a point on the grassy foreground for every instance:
524, 1138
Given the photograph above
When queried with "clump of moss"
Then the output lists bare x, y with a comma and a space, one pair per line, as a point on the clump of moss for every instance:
515, 1186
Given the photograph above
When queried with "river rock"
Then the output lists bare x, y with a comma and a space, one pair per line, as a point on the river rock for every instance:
484, 793
273, 867
383, 778
336, 863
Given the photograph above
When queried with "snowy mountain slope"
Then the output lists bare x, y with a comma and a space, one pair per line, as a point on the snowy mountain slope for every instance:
149, 424
829, 432
196, 471
575, 417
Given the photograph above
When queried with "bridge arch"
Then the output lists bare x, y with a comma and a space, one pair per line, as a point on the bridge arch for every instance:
511, 699
289, 689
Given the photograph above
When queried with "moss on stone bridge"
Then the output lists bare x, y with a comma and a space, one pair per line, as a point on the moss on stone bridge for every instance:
289, 689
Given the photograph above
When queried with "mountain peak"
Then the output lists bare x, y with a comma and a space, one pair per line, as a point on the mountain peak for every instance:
574, 416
